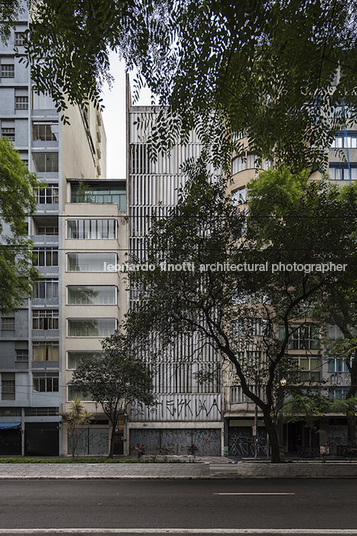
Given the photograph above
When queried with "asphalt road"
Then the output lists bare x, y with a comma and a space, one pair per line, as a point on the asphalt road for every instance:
88, 507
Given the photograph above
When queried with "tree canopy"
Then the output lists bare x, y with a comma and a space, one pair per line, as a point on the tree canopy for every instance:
245, 282
115, 379
284, 73
17, 201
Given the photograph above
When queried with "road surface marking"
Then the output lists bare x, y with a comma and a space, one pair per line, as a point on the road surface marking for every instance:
321, 532
260, 493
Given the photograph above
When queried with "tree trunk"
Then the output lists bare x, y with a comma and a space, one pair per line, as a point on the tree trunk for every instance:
111, 444
351, 418
273, 437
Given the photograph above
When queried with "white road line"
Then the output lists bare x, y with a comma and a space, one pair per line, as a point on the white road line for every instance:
246, 493
321, 532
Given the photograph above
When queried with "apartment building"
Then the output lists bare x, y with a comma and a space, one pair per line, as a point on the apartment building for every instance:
186, 412
75, 303
240, 413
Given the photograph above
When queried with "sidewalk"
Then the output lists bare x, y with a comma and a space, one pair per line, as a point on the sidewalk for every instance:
198, 468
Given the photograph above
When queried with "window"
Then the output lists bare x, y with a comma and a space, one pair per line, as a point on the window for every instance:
249, 327
309, 368
45, 162
46, 288
48, 195
91, 229
345, 140
305, 337
45, 351
8, 386
338, 393
45, 383
45, 130
45, 319
99, 194
238, 165
252, 161
8, 323
334, 332
19, 39
90, 262
91, 295
74, 392
238, 197
339, 171
21, 103
46, 257
337, 365
47, 230
7, 71
22, 356
8, 133
91, 327
74, 357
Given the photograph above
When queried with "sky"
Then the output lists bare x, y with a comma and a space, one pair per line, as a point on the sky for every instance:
114, 119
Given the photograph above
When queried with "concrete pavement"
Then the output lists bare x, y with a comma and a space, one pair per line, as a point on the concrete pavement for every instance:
198, 468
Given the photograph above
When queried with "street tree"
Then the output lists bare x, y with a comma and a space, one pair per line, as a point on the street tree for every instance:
77, 419
115, 379
244, 281
284, 73
341, 309
17, 202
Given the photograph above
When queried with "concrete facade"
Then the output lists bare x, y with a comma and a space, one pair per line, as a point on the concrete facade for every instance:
34, 341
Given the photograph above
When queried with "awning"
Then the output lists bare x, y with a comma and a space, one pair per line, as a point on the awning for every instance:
9, 425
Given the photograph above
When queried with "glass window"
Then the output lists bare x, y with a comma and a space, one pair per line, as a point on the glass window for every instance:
47, 230
45, 319
334, 332
305, 337
93, 229
340, 171
21, 103
310, 368
238, 197
48, 195
337, 365
238, 165
90, 262
74, 357
45, 351
45, 162
46, 288
45, 257
91, 295
7, 71
91, 327
45, 130
22, 356
74, 392
8, 323
252, 161
8, 385
45, 383
19, 39
8, 133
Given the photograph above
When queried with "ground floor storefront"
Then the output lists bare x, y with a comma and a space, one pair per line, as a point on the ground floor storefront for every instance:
185, 440
243, 438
